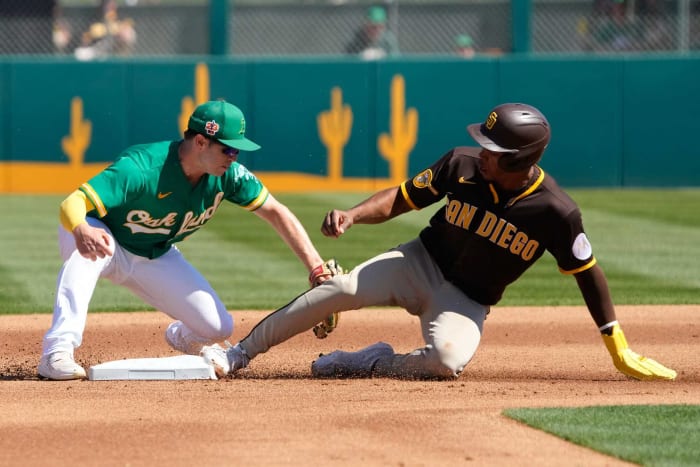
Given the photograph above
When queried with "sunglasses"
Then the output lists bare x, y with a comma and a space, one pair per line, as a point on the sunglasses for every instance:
230, 152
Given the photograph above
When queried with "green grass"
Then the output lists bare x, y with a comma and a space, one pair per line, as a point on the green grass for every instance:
647, 241
650, 435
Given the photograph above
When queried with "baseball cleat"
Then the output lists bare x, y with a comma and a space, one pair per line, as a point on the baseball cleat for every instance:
172, 337
60, 366
225, 361
339, 364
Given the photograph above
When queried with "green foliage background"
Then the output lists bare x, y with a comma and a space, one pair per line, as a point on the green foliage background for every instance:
647, 241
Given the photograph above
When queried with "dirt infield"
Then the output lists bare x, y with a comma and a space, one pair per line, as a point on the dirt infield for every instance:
274, 414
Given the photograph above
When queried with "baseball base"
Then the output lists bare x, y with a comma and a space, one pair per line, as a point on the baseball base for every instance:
166, 368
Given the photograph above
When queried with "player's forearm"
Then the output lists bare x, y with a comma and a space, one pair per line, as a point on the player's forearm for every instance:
596, 294
73, 210
290, 229
379, 207
594, 288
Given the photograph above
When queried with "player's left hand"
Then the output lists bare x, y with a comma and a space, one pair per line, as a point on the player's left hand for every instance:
631, 363
318, 276
324, 271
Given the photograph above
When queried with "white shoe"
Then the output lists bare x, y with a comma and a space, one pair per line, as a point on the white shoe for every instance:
173, 336
60, 366
339, 364
171, 333
225, 361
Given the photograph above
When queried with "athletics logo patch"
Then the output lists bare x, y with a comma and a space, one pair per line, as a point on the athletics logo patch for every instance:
212, 127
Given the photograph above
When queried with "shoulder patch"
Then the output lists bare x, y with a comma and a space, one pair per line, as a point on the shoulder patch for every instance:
423, 179
581, 248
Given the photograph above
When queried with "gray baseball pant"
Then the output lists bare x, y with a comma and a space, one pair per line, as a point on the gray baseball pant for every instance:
406, 276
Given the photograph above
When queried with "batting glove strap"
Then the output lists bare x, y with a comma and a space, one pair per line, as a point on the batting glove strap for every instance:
631, 363
326, 270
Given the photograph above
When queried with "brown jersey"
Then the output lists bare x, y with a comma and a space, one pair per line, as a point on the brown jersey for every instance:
484, 238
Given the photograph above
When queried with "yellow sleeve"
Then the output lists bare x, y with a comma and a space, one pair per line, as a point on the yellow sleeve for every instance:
73, 210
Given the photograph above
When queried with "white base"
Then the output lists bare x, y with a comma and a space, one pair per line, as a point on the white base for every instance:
178, 367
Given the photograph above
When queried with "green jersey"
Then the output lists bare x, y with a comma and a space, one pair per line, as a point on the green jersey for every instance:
148, 203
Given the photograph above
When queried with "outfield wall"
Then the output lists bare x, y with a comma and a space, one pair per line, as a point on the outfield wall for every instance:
351, 125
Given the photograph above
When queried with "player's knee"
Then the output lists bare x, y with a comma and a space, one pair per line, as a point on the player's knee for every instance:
455, 339
453, 360
212, 325
225, 328
444, 363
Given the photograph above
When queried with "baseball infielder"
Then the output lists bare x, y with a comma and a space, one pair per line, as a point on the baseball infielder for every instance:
501, 213
123, 225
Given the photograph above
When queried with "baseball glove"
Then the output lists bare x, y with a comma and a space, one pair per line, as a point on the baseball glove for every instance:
326, 270
325, 327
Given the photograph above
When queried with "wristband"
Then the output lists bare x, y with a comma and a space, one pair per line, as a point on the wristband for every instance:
607, 326
317, 271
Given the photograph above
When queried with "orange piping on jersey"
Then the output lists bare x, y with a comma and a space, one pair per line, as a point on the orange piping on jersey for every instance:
493, 192
588, 265
95, 199
258, 201
407, 198
532, 188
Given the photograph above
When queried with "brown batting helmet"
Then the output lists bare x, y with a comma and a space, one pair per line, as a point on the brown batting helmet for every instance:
519, 131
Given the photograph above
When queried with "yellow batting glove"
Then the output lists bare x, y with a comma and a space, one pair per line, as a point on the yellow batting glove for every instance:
631, 363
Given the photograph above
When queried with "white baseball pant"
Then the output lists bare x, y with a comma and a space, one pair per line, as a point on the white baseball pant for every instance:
168, 283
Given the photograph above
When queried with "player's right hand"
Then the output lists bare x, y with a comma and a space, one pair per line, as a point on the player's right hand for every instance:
631, 363
92, 242
336, 223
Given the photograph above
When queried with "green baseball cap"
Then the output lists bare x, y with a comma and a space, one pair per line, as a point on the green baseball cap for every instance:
464, 40
376, 15
223, 122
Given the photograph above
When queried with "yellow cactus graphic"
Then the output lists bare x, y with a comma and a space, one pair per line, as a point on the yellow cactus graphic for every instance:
76, 143
201, 94
334, 129
396, 147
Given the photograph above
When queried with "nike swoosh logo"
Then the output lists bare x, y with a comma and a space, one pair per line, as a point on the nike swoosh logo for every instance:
466, 182
164, 195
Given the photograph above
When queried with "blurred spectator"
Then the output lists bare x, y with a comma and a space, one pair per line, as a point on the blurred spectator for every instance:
464, 46
109, 36
373, 40
611, 30
623, 25
61, 31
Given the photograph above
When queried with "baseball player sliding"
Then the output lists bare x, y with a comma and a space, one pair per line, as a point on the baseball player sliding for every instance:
124, 222
501, 213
